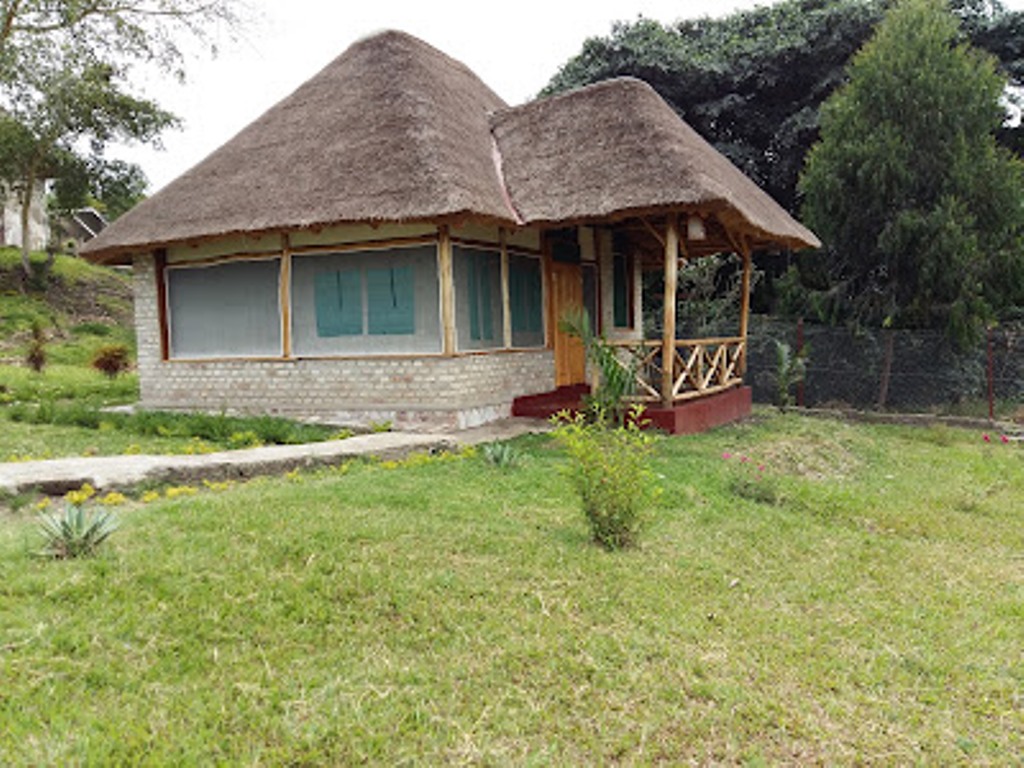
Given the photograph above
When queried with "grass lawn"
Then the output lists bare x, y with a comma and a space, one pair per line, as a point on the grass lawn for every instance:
862, 602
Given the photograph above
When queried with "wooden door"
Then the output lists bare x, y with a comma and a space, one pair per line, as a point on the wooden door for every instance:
567, 293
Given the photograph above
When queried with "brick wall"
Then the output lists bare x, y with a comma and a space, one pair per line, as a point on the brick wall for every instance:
413, 393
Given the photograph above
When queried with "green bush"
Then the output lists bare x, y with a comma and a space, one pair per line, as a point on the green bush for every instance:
233, 432
35, 355
609, 467
91, 329
74, 532
111, 360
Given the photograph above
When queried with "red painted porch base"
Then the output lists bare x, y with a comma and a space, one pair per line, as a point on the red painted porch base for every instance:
547, 404
692, 416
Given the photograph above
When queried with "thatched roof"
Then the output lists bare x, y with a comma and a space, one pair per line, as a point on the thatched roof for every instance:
617, 148
394, 130
391, 130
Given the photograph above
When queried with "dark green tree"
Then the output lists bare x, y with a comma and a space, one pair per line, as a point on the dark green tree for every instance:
752, 82
920, 209
52, 116
66, 93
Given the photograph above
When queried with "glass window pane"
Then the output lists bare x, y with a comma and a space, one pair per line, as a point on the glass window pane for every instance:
388, 302
526, 297
478, 314
230, 309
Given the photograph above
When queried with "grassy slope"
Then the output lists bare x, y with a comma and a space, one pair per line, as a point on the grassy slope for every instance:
81, 308
456, 613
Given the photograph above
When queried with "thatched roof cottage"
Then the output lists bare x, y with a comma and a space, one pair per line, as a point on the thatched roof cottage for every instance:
393, 241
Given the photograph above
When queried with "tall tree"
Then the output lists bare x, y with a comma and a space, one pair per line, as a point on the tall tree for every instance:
65, 91
921, 209
48, 120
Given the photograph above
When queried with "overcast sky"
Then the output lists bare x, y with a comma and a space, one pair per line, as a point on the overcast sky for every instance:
515, 47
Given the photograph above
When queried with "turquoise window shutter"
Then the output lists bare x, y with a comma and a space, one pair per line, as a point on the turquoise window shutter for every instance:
515, 296
472, 277
479, 276
525, 296
486, 276
339, 303
534, 312
391, 301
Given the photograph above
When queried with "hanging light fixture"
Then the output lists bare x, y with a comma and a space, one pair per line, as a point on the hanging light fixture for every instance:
695, 228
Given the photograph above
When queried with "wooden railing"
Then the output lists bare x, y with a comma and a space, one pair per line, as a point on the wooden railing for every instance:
699, 366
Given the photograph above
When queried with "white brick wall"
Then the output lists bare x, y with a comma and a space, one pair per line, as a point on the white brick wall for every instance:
413, 393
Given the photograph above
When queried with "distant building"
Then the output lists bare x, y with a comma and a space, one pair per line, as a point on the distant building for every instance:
38, 224
79, 227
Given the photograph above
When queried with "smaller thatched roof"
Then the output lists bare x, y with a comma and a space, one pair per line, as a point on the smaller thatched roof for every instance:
615, 149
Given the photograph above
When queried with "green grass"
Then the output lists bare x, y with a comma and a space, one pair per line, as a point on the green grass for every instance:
26, 442
68, 383
870, 612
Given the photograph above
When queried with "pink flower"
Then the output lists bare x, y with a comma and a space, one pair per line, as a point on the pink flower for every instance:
760, 467
1005, 439
744, 459
986, 438
726, 455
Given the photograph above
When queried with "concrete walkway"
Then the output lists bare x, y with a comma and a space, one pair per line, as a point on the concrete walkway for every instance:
58, 476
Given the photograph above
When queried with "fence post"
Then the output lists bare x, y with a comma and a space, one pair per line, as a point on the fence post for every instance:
991, 379
799, 351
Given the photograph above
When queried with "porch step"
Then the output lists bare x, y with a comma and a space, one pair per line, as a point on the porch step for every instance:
547, 404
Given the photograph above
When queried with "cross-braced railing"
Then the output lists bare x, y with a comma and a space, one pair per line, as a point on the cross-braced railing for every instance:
699, 366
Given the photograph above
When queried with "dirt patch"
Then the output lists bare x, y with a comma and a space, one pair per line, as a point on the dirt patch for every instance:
810, 456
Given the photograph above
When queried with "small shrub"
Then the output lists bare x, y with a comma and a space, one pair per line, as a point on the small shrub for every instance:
111, 360
79, 497
35, 355
751, 480
790, 370
246, 439
503, 455
91, 329
75, 532
609, 467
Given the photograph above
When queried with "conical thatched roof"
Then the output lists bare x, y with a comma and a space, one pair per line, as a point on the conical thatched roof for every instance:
391, 130
394, 130
616, 147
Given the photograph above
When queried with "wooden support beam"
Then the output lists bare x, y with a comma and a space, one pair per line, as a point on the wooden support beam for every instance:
650, 228
160, 266
446, 277
668, 340
286, 296
506, 301
745, 303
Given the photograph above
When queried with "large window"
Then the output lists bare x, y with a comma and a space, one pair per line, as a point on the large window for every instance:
229, 309
366, 302
478, 315
526, 300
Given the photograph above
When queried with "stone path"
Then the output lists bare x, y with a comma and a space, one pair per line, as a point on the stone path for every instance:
58, 476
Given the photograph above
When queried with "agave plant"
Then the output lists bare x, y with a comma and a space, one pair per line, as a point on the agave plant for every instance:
75, 532
501, 455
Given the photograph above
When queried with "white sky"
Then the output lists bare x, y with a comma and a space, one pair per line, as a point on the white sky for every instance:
515, 47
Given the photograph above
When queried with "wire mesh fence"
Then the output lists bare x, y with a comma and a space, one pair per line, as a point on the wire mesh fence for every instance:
891, 369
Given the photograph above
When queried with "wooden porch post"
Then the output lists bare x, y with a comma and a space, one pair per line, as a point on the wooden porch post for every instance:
446, 276
286, 296
745, 303
668, 340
